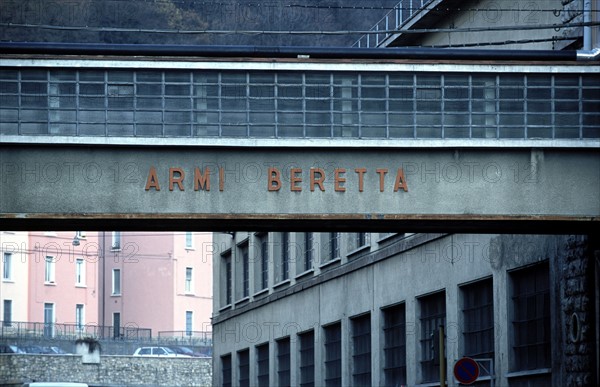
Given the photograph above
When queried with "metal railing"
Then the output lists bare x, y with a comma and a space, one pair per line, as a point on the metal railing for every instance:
393, 20
21, 330
198, 338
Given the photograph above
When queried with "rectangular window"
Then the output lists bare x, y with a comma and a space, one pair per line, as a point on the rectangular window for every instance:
531, 318
334, 245
244, 368
7, 267
189, 321
394, 346
7, 318
285, 256
262, 364
227, 266
283, 362
362, 239
79, 272
116, 240
226, 370
361, 350
79, 317
264, 260
307, 359
116, 282
189, 288
117, 325
245, 271
48, 320
433, 315
333, 355
308, 250
49, 270
478, 319
189, 240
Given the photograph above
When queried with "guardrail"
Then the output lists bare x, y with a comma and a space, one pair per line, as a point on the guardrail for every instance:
393, 20
21, 330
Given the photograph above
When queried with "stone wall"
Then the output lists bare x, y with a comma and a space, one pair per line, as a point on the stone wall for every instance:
577, 290
112, 370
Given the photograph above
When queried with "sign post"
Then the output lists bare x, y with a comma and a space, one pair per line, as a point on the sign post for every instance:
466, 370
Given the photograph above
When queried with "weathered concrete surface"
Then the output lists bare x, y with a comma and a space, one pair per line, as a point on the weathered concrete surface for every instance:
442, 184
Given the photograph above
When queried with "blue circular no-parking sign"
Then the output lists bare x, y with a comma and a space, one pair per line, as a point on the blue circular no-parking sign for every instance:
466, 370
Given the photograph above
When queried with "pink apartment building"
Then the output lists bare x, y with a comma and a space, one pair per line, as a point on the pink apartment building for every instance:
14, 285
63, 278
161, 281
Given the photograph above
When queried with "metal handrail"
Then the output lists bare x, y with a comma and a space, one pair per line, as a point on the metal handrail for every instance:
396, 17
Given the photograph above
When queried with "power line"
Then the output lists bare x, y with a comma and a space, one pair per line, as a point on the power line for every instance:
313, 32
503, 43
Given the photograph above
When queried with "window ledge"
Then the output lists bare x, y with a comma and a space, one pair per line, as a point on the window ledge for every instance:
361, 248
81, 286
282, 283
330, 263
190, 248
50, 283
116, 295
519, 374
189, 294
242, 301
385, 238
224, 308
8, 281
261, 292
305, 274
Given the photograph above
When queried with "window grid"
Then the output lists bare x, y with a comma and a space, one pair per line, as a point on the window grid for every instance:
244, 368
262, 363
531, 318
264, 261
309, 104
226, 370
285, 256
333, 355
394, 347
307, 359
433, 314
478, 319
283, 362
228, 282
245, 272
334, 245
308, 250
361, 350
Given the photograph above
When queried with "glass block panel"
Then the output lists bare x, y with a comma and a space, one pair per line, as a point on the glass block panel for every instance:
512, 132
92, 130
119, 129
401, 132
456, 132
177, 130
148, 130
290, 131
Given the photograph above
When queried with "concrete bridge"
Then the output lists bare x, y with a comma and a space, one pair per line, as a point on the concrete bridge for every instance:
122, 139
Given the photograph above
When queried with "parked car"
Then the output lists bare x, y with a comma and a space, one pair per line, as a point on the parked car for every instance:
56, 351
157, 351
5, 348
180, 350
36, 349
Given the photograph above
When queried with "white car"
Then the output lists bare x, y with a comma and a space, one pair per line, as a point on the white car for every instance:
156, 351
